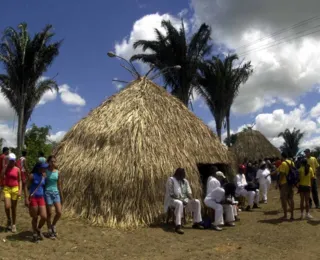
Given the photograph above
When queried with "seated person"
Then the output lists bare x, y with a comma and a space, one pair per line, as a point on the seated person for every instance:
248, 191
214, 180
220, 200
179, 195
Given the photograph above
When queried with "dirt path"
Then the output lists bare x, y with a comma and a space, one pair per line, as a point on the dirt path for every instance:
259, 235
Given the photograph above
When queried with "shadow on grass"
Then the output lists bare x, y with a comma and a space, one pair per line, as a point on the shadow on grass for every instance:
22, 236
2, 229
314, 222
271, 213
275, 221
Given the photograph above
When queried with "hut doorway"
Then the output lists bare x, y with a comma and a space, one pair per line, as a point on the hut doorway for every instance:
204, 170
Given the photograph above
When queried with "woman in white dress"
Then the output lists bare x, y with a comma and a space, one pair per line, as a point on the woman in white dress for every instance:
264, 179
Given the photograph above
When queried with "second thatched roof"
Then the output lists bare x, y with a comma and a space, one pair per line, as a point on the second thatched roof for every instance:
115, 162
253, 145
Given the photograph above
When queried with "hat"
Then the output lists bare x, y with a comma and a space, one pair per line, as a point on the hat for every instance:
43, 165
242, 167
262, 163
307, 150
12, 157
220, 174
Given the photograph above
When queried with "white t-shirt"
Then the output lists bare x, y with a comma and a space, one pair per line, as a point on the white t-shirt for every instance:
212, 183
262, 176
217, 195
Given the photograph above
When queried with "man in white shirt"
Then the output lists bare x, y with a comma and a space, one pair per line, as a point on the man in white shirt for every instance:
214, 180
178, 196
264, 179
251, 195
218, 199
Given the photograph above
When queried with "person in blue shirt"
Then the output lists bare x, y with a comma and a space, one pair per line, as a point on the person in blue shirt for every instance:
53, 195
37, 205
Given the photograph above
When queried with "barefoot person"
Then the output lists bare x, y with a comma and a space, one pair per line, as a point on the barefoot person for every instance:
179, 195
306, 175
53, 195
286, 190
11, 191
37, 205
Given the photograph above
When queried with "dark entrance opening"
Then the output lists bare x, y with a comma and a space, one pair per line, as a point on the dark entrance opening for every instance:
204, 170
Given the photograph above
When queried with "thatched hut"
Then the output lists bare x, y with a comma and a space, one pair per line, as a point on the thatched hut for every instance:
253, 145
115, 161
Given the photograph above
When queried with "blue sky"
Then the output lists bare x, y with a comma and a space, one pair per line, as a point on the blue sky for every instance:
91, 29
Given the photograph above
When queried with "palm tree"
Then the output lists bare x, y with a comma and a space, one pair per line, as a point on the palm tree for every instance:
171, 49
25, 59
237, 76
291, 141
219, 83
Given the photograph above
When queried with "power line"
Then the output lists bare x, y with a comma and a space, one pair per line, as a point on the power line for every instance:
280, 42
280, 31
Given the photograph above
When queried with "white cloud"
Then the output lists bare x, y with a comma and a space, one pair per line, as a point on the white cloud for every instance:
50, 95
6, 112
315, 111
143, 29
9, 134
283, 72
69, 97
57, 137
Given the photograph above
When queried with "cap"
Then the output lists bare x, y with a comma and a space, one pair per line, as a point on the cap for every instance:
220, 174
242, 167
12, 157
262, 163
307, 150
43, 165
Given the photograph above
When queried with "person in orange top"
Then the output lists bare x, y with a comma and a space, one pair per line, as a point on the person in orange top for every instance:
3, 165
12, 191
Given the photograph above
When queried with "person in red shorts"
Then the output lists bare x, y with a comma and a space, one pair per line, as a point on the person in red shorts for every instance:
37, 205
3, 165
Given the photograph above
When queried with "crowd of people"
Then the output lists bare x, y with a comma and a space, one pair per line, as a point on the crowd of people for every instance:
252, 181
41, 188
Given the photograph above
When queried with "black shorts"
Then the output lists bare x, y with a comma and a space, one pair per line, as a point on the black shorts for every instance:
304, 188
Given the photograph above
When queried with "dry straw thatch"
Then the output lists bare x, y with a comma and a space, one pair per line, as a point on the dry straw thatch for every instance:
253, 145
115, 161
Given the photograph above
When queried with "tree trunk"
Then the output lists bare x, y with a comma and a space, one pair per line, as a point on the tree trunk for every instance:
219, 128
228, 128
20, 134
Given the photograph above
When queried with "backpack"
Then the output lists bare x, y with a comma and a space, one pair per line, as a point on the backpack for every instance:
293, 175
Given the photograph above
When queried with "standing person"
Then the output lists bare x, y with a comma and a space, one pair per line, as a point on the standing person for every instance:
219, 201
41, 158
179, 195
3, 165
286, 190
37, 205
241, 183
306, 176
53, 193
22, 165
313, 162
12, 191
264, 180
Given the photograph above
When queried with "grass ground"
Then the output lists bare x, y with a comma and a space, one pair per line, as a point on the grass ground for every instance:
259, 235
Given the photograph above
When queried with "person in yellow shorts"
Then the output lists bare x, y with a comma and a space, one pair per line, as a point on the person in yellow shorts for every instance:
306, 175
313, 162
286, 190
11, 191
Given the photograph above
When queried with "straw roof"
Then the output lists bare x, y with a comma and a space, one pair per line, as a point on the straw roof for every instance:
115, 162
253, 145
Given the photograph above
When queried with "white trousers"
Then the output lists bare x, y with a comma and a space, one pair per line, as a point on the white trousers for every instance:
264, 187
219, 210
251, 196
193, 206
235, 210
